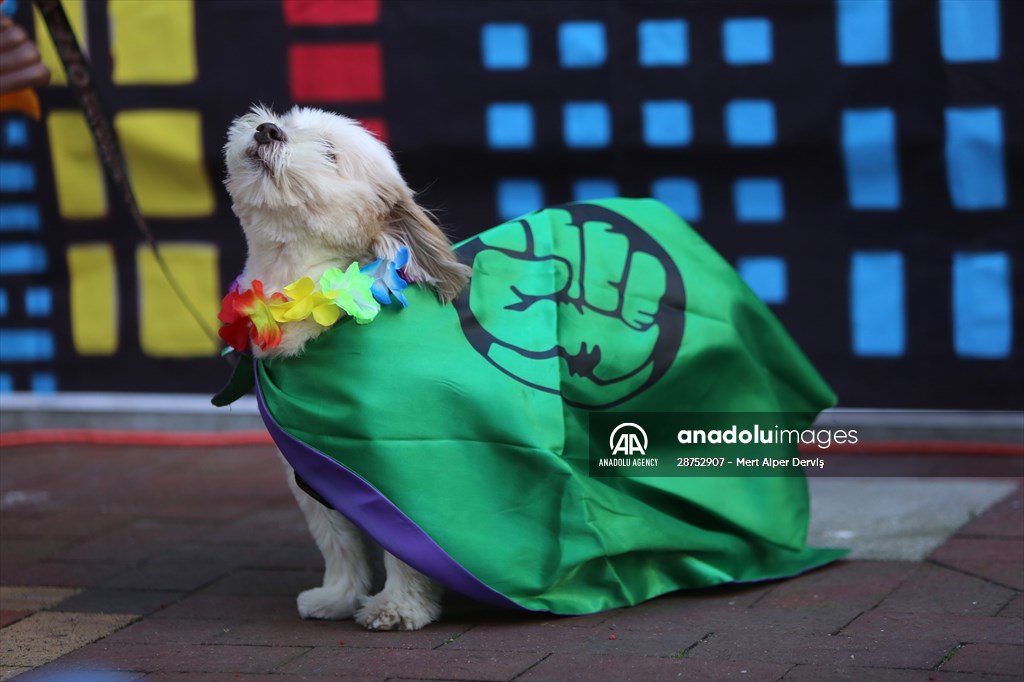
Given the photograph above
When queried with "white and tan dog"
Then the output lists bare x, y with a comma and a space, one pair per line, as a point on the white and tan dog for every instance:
314, 190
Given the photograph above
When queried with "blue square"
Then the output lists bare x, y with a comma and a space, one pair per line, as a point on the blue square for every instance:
663, 42
587, 189
969, 30
975, 158
5, 303
582, 44
518, 196
587, 125
38, 302
758, 200
510, 125
750, 123
766, 275
19, 217
17, 176
505, 46
6, 381
878, 316
682, 195
667, 123
16, 133
43, 382
747, 41
983, 304
863, 32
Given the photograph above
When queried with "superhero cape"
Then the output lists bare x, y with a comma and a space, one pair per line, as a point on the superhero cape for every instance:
456, 435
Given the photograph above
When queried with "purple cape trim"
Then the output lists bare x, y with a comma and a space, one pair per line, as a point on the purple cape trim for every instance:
377, 516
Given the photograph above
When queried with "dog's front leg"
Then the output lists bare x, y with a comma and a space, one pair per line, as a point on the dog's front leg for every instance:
346, 570
408, 601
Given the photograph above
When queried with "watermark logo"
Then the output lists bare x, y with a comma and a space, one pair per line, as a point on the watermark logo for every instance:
628, 439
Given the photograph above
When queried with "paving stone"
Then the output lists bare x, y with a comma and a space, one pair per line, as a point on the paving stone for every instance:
33, 598
1003, 519
8, 672
8, 617
232, 607
547, 639
996, 659
837, 650
103, 600
220, 677
345, 663
61, 573
182, 631
566, 667
324, 633
949, 627
44, 636
679, 609
1015, 608
133, 542
260, 581
184, 568
932, 588
820, 673
176, 657
297, 557
857, 584
1000, 560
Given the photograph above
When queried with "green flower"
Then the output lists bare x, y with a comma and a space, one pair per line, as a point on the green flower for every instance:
350, 291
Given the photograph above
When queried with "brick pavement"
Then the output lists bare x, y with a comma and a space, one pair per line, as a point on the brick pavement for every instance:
183, 564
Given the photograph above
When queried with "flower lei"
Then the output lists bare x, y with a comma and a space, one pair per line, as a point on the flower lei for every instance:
252, 317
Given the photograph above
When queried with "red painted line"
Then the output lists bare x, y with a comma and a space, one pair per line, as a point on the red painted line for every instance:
139, 438
232, 438
918, 447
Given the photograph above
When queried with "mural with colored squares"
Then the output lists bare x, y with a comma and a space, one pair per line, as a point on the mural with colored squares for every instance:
860, 162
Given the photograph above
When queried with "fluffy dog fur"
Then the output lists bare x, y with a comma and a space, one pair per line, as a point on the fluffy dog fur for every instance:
315, 190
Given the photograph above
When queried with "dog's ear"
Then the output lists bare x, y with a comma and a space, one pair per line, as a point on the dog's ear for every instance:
431, 259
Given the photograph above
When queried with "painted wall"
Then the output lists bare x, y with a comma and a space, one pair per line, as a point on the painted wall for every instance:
859, 161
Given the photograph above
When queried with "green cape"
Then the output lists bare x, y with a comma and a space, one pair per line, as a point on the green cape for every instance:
464, 427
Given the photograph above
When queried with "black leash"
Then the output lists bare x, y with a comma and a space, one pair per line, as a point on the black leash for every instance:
82, 81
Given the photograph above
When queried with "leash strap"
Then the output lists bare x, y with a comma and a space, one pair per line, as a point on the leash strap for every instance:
82, 81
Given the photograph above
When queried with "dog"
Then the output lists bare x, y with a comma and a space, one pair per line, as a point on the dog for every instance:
314, 190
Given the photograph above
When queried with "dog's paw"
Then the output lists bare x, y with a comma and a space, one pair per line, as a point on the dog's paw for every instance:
383, 612
328, 603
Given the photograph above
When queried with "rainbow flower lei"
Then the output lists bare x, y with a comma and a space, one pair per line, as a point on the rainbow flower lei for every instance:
251, 317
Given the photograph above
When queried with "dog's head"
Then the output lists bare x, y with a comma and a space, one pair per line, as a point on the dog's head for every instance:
318, 180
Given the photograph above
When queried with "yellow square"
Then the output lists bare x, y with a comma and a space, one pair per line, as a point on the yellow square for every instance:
75, 11
139, 59
76, 167
92, 274
164, 152
166, 328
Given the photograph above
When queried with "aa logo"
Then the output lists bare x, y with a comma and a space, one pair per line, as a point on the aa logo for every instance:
628, 439
576, 300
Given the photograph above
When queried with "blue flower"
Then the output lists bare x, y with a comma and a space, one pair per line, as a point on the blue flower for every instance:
387, 281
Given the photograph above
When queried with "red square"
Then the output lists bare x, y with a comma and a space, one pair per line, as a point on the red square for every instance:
331, 12
336, 72
377, 126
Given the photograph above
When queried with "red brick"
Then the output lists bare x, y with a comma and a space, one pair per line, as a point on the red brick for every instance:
182, 658
980, 549
818, 673
232, 607
265, 582
100, 600
344, 663
327, 633
859, 584
839, 650
8, 617
938, 589
547, 639
947, 627
589, 668
996, 659
175, 631
61, 573
1014, 609
182, 568
679, 609
1004, 519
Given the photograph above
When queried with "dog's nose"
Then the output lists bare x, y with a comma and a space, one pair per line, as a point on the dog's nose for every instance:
267, 133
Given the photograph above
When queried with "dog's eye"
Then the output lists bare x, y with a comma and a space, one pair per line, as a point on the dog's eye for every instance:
329, 152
